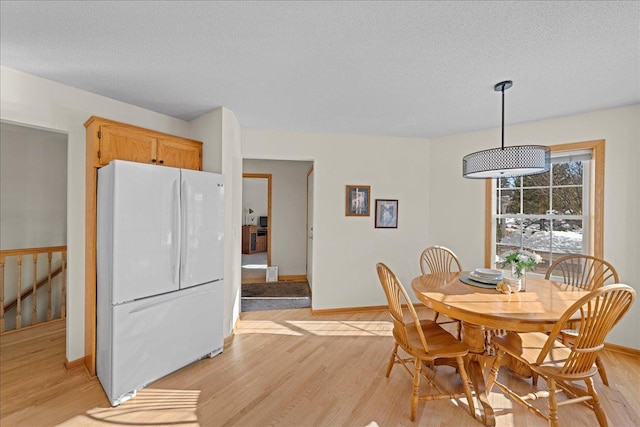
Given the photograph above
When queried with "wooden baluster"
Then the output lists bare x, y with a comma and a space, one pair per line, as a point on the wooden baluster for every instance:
63, 309
34, 299
50, 255
19, 294
1, 294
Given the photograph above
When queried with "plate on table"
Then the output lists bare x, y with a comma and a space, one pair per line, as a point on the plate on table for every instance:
469, 281
489, 280
487, 272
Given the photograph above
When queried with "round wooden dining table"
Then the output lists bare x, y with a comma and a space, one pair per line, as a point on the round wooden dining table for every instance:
479, 309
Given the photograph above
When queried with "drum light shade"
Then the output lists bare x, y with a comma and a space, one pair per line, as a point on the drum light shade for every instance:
505, 162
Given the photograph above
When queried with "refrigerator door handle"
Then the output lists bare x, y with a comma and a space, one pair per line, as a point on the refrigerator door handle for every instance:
178, 297
185, 239
176, 229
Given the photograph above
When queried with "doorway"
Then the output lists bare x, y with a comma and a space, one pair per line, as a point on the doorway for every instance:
287, 221
256, 226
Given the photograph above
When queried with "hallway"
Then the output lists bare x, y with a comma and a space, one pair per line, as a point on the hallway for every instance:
254, 267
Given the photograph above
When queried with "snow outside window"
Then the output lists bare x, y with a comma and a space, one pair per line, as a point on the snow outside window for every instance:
547, 213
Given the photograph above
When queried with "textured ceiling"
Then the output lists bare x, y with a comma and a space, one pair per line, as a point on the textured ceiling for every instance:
422, 69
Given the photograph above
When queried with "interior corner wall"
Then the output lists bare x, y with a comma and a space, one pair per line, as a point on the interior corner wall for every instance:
347, 248
456, 212
288, 212
220, 134
232, 170
32, 101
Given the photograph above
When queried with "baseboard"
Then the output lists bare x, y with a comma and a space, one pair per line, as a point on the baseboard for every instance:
291, 278
621, 349
77, 363
350, 310
229, 340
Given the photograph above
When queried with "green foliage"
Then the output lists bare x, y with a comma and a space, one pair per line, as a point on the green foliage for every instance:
521, 260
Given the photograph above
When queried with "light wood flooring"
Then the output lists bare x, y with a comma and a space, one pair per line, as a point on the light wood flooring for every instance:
283, 368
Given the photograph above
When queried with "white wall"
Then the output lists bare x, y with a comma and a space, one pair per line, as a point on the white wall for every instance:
32, 101
33, 187
288, 211
255, 197
346, 249
456, 211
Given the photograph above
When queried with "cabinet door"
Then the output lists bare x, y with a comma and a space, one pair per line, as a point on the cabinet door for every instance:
179, 153
123, 144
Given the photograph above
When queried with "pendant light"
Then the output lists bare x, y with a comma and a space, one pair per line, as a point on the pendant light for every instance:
505, 162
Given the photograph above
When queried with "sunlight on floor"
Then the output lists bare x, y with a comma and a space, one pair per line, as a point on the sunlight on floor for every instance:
345, 328
254, 266
321, 328
155, 406
264, 327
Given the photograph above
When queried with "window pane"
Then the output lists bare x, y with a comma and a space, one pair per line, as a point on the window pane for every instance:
569, 173
535, 201
508, 232
567, 237
510, 182
538, 180
508, 201
567, 200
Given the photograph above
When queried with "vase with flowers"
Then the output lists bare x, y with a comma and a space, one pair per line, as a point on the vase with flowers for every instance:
519, 262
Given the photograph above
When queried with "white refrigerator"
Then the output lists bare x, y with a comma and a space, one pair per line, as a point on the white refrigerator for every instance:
159, 273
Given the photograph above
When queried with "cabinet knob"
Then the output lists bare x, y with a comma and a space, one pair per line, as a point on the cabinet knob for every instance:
161, 162
153, 160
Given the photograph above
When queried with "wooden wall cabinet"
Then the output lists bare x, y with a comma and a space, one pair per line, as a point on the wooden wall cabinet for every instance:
110, 140
114, 140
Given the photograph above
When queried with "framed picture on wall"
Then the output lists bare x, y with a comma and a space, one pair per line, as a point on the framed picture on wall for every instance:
386, 213
357, 203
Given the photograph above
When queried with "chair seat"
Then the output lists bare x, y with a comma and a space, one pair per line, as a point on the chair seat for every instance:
527, 346
441, 343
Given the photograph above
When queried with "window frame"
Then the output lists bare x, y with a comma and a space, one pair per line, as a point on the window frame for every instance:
596, 200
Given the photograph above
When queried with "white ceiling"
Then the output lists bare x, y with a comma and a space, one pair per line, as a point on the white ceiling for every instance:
420, 69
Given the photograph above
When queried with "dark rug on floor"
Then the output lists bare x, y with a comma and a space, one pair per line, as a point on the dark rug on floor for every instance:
275, 296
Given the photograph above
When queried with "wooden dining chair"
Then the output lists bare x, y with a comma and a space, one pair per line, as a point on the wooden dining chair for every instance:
425, 342
561, 365
439, 259
585, 272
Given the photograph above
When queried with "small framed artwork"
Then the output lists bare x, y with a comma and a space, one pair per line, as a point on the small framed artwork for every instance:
357, 203
386, 213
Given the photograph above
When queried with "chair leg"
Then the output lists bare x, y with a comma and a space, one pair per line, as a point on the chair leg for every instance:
534, 378
553, 403
602, 371
392, 359
416, 388
602, 418
465, 384
494, 370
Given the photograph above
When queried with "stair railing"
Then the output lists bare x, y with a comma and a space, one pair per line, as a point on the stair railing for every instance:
32, 291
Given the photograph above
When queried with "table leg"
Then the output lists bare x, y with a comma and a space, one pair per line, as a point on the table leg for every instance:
474, 337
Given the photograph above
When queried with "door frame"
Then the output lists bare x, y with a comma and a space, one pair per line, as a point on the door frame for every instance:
268, 177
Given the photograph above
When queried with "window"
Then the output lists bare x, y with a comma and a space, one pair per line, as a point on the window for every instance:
552, 214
